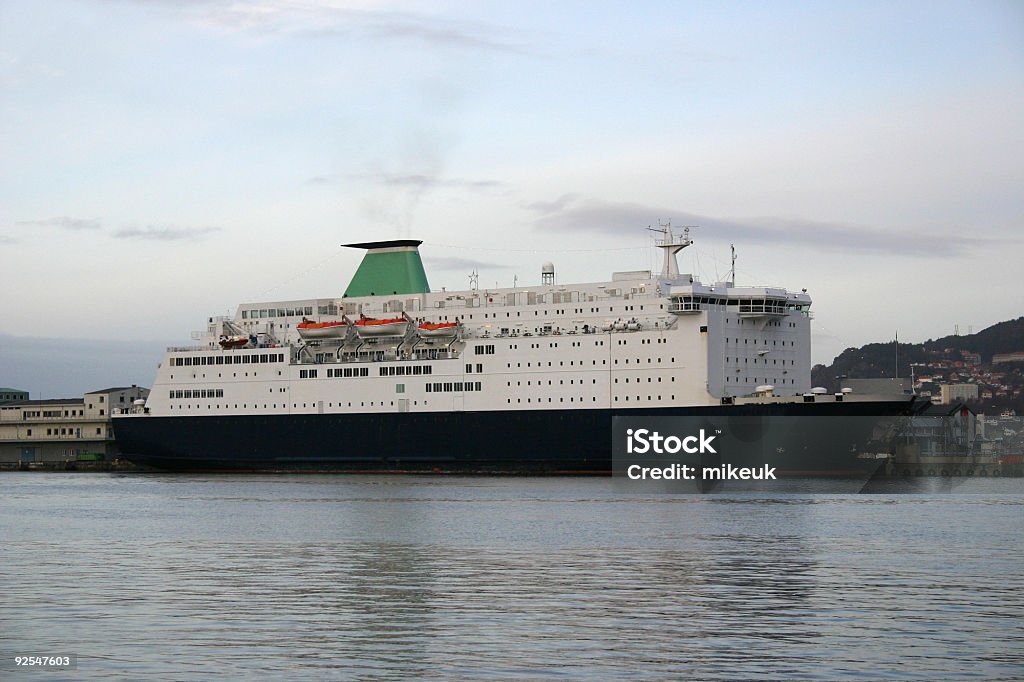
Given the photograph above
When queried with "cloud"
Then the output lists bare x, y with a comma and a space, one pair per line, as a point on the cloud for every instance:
552, 206
63, 222
425, 181
166, 234
395, 197
475, 37
571, 213
413, 181
156, 233
461, 264
333, 19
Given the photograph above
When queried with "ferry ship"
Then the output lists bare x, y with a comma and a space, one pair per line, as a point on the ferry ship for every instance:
393, 376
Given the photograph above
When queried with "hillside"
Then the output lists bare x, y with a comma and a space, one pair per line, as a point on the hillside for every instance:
950, 359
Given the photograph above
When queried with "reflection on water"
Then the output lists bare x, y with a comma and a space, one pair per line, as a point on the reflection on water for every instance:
329, 577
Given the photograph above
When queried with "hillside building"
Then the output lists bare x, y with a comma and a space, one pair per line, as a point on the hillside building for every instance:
1000, 358
950, 393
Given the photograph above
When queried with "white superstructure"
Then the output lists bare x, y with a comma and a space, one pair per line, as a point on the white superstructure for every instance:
638, 340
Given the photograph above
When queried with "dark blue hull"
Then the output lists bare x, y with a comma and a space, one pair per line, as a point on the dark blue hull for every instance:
541, 441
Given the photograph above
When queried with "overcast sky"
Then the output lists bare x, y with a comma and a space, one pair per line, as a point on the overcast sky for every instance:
163, 161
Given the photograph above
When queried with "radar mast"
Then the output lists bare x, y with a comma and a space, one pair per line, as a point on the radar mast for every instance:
671, 246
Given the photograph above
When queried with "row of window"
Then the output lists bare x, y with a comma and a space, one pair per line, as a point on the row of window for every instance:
774, 361
573, 344
489, 350
572, 363
592, 381
221, 376
560, 382
456, 386
68, 431
256, 406
406, 370
625, 342
718, 300
232, 359
773, 323
561, 400
748, 380
578, 311
197, 393
561, 363
592, 399
754, 341
49, 414
347, 372
479, 368
671, 397
289, 312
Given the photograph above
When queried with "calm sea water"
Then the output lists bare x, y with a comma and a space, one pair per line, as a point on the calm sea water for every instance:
334, 577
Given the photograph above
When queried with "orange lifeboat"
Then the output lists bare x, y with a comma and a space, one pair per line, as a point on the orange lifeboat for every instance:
309, 329
233, 341
371, 326
438, 329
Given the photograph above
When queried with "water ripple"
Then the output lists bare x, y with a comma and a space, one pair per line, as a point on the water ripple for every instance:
329, 578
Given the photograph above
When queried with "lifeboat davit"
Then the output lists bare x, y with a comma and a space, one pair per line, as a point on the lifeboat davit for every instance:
322, 330
438, 329
233, 341
371, 326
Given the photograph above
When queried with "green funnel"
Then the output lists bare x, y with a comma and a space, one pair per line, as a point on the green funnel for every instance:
389, 268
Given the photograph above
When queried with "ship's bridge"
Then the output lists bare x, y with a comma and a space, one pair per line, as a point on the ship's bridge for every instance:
747, 301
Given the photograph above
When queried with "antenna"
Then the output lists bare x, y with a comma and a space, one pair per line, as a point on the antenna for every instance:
474, 280
732, 274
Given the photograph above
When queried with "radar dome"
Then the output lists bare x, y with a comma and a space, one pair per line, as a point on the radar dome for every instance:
547, 273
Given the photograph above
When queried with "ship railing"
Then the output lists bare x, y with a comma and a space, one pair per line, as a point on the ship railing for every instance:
207, 349
122, 411
347, 359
